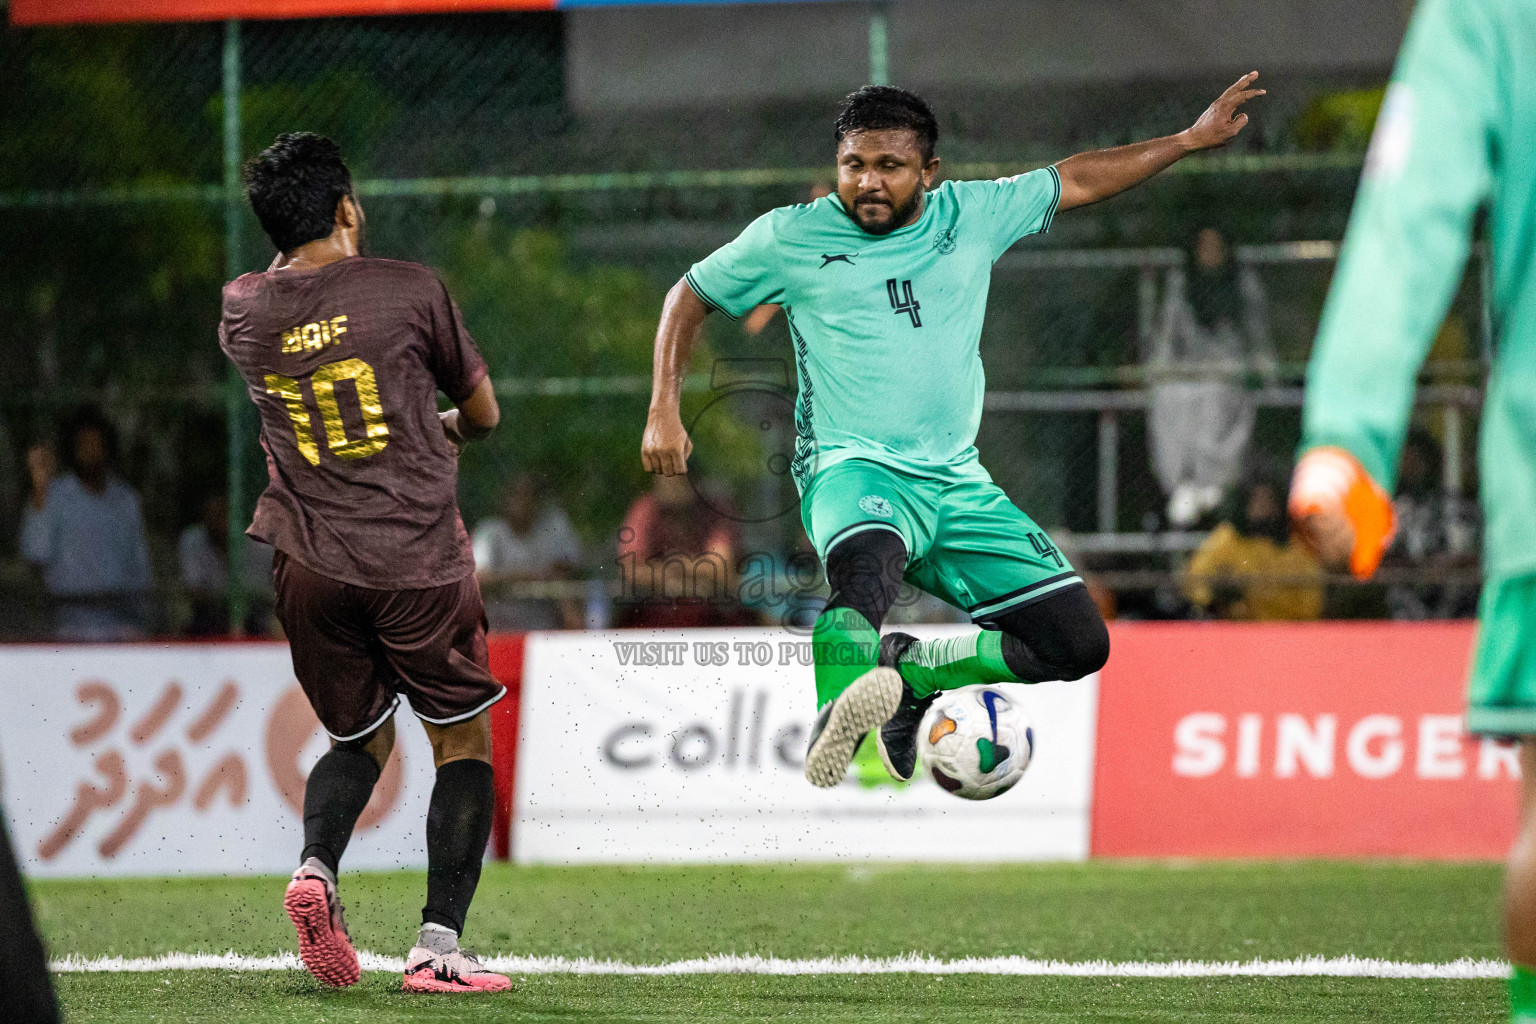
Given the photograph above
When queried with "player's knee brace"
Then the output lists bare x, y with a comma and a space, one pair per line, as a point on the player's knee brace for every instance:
865, 573
1062, 636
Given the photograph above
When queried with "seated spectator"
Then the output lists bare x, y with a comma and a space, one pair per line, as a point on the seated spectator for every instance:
86, 532
677, 560
1437, 532
531, 542
202, 556
1251, 568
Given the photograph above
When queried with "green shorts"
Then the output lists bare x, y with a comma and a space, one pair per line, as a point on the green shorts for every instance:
1502, 695
966, 542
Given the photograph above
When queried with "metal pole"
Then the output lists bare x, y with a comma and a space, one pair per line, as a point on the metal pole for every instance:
1109, 470
1451, 467
879, 52
1146, 310
234, 390
1485, 306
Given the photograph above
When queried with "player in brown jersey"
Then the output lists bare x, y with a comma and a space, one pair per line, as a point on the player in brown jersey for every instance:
344, 356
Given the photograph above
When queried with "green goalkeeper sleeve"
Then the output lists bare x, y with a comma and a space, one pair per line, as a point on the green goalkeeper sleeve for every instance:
1457, 130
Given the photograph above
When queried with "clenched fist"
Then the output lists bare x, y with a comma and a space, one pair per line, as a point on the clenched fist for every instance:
666, 445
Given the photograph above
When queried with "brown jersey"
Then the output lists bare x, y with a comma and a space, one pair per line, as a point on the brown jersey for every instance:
344, 363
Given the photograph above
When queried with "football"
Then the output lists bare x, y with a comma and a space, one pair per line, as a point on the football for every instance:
976, 741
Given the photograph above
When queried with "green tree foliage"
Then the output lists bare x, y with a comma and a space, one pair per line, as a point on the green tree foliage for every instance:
537, 316
106, 293
113, 303
1339, 121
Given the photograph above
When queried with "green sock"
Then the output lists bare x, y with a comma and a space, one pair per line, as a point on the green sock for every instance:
1522, 995
844, 646
933, 665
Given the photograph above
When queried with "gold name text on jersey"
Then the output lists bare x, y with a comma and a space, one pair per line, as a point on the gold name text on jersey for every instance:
315, 336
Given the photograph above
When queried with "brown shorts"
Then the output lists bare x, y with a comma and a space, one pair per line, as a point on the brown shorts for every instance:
356, 650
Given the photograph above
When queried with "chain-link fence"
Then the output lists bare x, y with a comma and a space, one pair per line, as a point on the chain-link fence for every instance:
559, 234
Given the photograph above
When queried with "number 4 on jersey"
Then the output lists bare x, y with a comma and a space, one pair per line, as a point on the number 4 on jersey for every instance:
902, 299
323, 383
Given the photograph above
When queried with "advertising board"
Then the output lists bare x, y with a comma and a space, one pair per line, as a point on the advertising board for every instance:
1320, 739
687, 745
180, 759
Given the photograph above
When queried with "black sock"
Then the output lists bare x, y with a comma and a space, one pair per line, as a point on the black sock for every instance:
1060, 637
458, 827
334, 797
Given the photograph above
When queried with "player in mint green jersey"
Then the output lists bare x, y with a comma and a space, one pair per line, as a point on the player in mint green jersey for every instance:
884, 285
1457, 133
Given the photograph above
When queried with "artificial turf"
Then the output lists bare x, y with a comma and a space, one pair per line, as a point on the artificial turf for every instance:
1110, 911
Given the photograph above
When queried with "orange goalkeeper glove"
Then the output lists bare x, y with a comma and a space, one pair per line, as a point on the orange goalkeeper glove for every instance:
1340, 512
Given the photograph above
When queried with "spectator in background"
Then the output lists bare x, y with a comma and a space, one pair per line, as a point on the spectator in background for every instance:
532, 542
785, 590
1437, 531
202, 556
1251, 568
1211, 341
677, 558
86, 532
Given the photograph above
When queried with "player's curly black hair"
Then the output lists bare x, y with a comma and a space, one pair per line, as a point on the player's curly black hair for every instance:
877, 107
294, 186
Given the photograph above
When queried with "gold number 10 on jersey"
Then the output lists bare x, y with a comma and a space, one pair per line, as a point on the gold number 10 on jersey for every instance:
323, 383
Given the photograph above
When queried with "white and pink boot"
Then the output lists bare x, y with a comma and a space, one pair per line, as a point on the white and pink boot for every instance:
324, 945
437, 964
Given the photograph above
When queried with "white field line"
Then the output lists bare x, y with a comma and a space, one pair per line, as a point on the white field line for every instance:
1300, 967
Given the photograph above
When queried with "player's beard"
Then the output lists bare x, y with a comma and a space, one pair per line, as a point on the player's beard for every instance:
900, 215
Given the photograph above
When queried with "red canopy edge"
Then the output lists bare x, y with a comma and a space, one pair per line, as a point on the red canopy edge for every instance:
64, 12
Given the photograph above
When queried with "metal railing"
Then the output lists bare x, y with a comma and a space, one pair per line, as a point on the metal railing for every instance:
1116, 392
1453, 401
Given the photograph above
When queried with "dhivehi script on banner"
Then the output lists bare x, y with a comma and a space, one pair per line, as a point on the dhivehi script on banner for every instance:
687, 745
151, 759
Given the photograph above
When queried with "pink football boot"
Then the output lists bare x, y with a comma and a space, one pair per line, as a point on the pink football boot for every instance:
458, 971
324, 945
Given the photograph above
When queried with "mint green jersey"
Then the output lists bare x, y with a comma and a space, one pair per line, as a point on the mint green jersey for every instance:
886, 328
1457, 132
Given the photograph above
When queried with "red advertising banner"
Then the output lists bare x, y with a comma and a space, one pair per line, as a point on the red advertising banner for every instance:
61, 12
1326, 739
506, 653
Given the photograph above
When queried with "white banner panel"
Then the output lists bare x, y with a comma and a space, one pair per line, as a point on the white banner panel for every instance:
686, 745
180, 759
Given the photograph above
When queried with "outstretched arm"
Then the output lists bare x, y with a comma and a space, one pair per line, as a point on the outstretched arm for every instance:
1097, 175
665, 447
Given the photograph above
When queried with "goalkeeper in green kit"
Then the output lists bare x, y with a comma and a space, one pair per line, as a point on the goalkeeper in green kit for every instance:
884, 286
1457, 133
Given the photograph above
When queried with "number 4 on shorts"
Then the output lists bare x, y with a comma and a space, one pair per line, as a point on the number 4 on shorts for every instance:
1045, 549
